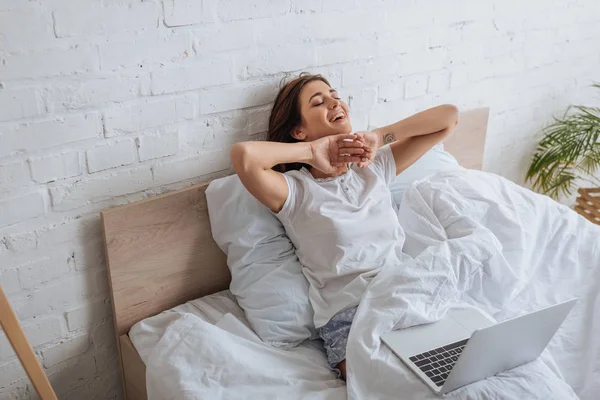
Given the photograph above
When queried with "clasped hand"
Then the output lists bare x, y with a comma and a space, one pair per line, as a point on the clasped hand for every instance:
331, 154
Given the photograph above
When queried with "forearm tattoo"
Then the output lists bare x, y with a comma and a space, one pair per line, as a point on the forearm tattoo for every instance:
389, 137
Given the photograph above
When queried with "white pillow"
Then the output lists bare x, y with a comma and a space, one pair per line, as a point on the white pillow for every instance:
434, 161
266, 277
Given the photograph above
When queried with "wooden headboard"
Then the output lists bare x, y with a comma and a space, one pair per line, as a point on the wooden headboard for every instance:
467, 142
160, 251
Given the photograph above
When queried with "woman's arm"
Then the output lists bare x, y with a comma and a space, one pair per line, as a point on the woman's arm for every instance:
253, 162
410, 138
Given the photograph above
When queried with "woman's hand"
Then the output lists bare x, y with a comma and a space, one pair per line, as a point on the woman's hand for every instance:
331, 153
371, 142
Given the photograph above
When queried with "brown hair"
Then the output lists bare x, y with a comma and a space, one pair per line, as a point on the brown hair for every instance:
285, 115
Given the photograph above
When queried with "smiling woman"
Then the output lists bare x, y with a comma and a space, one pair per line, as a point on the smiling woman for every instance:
323, 113
287, 114
331, 211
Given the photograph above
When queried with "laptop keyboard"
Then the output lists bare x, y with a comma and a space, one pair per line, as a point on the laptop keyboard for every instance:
438, 363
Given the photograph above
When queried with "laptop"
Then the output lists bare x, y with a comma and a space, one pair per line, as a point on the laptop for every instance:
465, 346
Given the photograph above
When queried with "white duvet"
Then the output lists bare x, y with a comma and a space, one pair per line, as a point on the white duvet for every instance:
472, 239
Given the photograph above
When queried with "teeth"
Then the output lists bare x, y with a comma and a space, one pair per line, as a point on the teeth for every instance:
340, 114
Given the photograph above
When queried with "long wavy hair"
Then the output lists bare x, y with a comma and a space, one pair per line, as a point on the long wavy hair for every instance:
285, 115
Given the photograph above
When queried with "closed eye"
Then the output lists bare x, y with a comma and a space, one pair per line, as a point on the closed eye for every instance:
321, 103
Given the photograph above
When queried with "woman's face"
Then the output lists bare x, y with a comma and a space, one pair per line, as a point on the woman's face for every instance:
323, 112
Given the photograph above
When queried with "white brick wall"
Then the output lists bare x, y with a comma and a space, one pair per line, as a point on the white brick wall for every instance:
150, 147
44, 270
10, 281
103, 103
239, 95
188, 77
13, 174
48, 132
65, 349
79, 192
89, 18
38, 35
110, 155
187, 12
55, 166
50, 62
73, 94
148, 114
87, 315
23, 207
148, 48
20, 103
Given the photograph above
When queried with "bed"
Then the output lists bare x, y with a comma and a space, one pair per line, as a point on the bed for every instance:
174, 230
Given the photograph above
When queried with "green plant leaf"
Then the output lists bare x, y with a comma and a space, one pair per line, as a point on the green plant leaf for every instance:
568, 148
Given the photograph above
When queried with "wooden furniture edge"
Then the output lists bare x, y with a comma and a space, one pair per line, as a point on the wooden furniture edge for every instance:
112, 306
467, 142
20, 344
138, 203
134, 371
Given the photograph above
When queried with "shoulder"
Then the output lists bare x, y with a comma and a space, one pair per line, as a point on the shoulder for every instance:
296, 181
297, 177
383, 164
382, 157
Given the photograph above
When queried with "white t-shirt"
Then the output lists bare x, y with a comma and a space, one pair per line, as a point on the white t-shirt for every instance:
344, 230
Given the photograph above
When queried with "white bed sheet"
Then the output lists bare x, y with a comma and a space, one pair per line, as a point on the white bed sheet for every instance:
146, 333
297, 373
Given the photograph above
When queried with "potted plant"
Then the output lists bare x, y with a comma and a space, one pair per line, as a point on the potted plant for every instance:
569, 152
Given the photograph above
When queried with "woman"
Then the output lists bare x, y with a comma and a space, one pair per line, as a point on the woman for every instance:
338, 215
